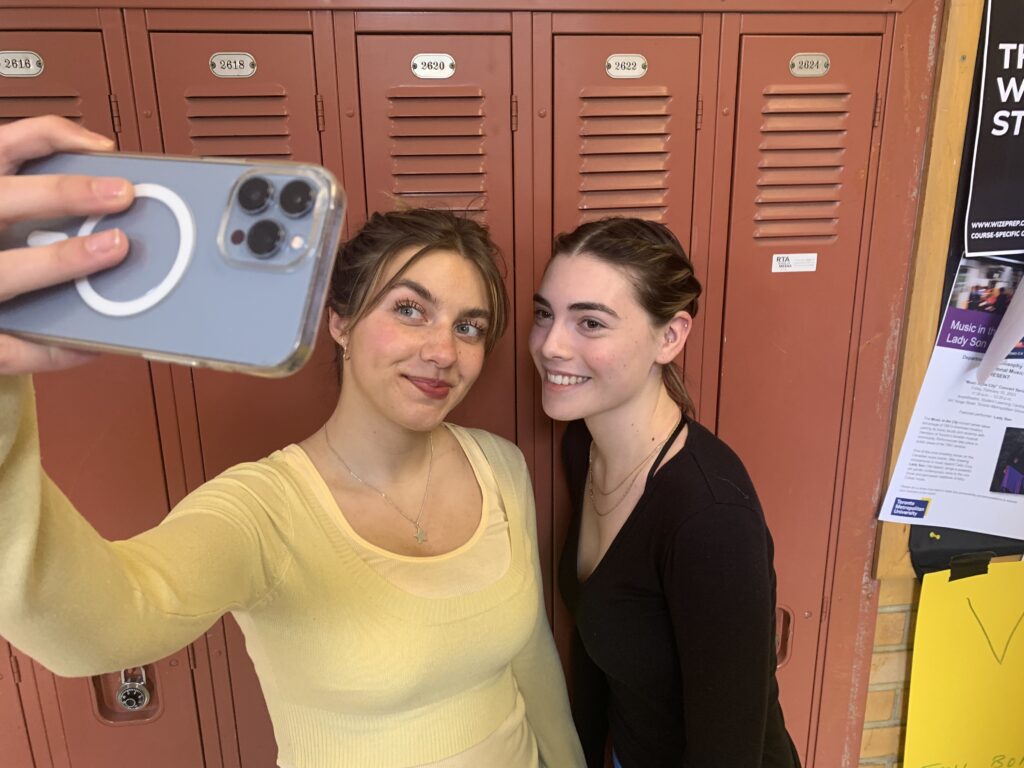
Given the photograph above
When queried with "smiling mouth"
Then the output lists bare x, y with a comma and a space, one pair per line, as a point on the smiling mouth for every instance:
564, 380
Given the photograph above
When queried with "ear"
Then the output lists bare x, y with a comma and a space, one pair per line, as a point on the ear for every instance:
338, 327
672, 337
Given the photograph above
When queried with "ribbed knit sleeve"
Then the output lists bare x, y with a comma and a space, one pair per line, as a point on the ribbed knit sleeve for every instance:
82, 605
537, 668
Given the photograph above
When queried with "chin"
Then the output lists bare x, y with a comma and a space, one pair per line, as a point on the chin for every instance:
560, 408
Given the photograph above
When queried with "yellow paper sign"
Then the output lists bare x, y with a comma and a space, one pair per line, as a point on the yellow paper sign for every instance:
967, 680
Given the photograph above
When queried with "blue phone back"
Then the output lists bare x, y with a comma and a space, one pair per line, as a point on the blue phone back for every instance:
217, 305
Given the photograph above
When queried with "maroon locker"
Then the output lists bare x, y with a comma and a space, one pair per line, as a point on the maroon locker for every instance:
270, 114
55, 85
72, 81
446, 142
802, 149
98, 429
625, 146
101, 444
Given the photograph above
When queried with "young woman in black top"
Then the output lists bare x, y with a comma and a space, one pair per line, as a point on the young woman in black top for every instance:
668, 564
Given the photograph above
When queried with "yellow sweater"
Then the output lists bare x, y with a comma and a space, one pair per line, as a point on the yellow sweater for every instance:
355, 671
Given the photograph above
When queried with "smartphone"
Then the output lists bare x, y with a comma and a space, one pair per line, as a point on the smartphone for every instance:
228, 266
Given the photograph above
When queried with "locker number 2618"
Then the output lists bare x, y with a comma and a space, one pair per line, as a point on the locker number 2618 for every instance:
233, 64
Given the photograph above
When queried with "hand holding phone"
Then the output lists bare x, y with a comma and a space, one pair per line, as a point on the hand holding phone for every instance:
228, 265
28, 197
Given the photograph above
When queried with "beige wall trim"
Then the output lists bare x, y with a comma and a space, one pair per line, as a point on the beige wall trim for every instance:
952, 101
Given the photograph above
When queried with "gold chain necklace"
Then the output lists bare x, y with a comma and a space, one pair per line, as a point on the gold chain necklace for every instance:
617, 504
629, 474
421, 533
633, 473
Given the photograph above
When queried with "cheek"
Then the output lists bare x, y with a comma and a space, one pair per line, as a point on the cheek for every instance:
536, 340
471, 360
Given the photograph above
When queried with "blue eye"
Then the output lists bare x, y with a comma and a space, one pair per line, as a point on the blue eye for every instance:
409, 309
470, 329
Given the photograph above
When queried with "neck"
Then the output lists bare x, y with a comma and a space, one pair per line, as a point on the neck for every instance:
623, 436
379, 450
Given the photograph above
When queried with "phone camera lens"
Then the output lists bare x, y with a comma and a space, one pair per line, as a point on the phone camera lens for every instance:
296, 198
254, 194
264, 238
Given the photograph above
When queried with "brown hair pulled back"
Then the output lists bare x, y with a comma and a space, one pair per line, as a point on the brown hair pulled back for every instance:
657, 266
355, 285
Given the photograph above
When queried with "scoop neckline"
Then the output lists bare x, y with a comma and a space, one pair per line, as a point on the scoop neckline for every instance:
323, 492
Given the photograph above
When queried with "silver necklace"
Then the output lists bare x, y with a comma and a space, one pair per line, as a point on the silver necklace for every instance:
421, 533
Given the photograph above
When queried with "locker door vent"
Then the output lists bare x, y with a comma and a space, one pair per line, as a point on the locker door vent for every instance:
239, 125
624, 158
803, 141
438, 147
16, 107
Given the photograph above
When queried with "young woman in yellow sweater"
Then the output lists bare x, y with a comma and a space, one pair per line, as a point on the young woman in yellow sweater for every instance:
384, 570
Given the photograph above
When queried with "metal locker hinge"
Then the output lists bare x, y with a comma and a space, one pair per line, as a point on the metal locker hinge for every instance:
700, 113
16, 670
515, 113
878, 110
320, 123
115, 113
191, 653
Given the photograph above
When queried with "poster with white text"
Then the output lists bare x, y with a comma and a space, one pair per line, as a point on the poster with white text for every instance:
962, 461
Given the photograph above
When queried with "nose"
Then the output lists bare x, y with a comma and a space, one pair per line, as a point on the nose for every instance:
553, 343
440, 349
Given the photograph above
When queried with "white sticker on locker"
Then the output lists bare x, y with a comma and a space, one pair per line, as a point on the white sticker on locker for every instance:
20, 64
794, 262
433, 66
626, 65
233, 64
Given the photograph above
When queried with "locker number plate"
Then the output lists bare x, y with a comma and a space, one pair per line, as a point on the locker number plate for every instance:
625, 65
233, 64
433, 66
809, 65
20, 64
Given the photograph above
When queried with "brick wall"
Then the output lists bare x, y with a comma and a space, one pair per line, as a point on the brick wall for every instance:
885, 716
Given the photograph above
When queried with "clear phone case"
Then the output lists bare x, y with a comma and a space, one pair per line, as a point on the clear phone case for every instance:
228, 267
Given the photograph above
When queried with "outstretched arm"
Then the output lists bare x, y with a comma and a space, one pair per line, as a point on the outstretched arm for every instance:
76, 602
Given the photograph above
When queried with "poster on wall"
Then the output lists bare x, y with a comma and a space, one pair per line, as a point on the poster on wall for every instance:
962, 461
961, 464
968, 672
994, 224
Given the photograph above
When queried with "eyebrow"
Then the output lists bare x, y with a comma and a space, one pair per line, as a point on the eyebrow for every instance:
579, 306
424, 293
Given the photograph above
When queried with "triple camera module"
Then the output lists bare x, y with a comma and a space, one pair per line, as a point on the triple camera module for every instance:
255, 196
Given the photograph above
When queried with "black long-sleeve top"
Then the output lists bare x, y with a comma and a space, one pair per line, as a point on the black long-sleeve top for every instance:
674, 652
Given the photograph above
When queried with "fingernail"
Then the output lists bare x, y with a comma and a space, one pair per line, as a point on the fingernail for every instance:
110, 188
103, 243
102, 142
